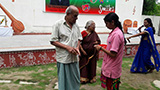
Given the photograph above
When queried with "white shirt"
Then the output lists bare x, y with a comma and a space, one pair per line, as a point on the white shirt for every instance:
62, 33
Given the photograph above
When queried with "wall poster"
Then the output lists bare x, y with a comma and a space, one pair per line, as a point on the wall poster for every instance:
84, 6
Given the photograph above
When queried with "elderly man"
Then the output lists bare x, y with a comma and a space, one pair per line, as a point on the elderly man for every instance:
66, 37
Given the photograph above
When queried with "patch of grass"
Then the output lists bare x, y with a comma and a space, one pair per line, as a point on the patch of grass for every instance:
48, 72
127, 62
99, 63
29, 68
125, 86
36, 67
7, 70
2, 83
43, 74
41, 78
143, 86
82, 89
30, 87
98, 82
42, 84
17, 81
5, 88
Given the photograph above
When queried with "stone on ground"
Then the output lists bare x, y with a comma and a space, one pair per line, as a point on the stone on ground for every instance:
156, 83
56, 87
5, 81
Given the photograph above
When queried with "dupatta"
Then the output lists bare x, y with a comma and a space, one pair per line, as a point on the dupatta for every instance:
154, 51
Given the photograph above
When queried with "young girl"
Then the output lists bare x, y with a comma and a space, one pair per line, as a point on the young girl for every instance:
112, 61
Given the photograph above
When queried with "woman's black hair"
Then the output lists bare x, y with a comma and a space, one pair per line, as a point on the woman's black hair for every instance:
113, 16
151, 24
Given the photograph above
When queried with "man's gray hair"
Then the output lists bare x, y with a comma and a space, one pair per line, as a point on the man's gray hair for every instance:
88, 23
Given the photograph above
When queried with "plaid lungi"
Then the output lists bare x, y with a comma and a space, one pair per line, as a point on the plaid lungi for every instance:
109, 83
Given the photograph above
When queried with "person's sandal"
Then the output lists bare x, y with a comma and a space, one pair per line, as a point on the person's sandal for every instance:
83, 82
93, 81
151, 70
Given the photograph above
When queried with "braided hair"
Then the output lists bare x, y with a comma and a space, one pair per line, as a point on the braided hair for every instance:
113, 16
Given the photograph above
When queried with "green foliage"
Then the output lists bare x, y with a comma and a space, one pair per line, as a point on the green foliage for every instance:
158, 9
151, 8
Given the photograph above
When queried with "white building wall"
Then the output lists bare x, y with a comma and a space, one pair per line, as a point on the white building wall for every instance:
129, 9
36, 20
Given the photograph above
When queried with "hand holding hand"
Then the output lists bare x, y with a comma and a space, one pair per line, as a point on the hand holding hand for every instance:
73, 50
95, 42
98, 47
77, 51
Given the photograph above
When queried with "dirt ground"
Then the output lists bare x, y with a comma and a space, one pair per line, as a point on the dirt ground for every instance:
138, 81
14, 76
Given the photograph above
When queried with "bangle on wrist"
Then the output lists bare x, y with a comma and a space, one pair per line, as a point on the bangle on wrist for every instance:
100, 48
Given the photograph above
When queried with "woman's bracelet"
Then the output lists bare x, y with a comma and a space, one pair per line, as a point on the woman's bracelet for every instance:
100, 48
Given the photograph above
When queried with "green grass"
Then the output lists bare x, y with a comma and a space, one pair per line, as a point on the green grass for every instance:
5, 88
126, 62
125, 86
83, 89
99, 62
43, 74
30, 87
